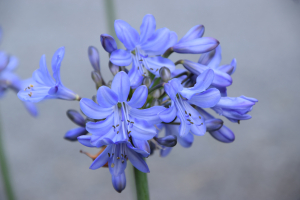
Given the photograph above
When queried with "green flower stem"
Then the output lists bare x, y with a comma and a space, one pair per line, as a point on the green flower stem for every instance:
4, 171
141, 184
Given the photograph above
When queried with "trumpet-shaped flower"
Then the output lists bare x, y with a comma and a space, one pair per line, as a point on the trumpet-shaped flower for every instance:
43, 86
181, 98
120, 118
116, 155
143, 48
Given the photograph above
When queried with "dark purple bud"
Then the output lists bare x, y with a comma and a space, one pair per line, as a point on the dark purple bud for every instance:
76, 117
224, 134
97, 78
72, 134
168, 141
113, 68
152, 147
108, 43
165, 74
147, 81
94, 58
213, 124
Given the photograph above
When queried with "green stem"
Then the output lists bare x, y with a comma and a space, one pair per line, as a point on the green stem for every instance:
141, 184
5, 171
110, 17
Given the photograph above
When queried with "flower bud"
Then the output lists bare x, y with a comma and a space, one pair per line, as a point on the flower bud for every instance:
113, 68
108, 43
147, 81
119, 182
213, 124
195, 46
168, 141
76, 117
97, 79
156, 94
165, 74
72, 134
194, 33
224, 134
94, 58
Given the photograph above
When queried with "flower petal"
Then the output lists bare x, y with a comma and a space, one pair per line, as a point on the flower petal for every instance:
102, 159
85, 140
126, 34
94, 58
119, 182
142, 130
139, 97
213, 124
195, 46
206, 99
106, 98
187, 140
169, 114
147, 28
56, 61
41, 75
93, 110
120, 57
153, 64
224, 134
149, 114
100, 128
137, 161
165, 151
74, 133
158, 43
135, 77
211, 59
194, 33
31, 107
141, 144
121, 86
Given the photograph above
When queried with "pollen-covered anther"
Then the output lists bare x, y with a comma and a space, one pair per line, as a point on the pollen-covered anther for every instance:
123, 161
118, 158
112, 165
190, 114
117, 125
108, 154
117, 132
30, 94
199, 117
31, 85
122, 155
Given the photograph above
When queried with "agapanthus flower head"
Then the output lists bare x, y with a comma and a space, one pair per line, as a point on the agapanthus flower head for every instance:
43, 85
116, 155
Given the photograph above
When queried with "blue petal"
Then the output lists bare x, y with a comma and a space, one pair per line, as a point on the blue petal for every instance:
150, 114
169, 114
141, 144
206, 99
65, 93
165, 151
94, 58
158, 43
102, 159
13, 63
204, 80
116, 167
85, 140
199, 45
74, 133
140, 151
41, 75
184, 128
121, 86
173, 87
211, 59
76, 117
56, 61
108, 43
221, 79
205, 114
120, 57
119, 182
100, 128
137, 161
37, 94
213, 124
172, 39
224, 134
142, 130
187, 140
135, 77
249, 98
155, 63
93, 110
168, 141
147, 28
235, 102
32, 109
194, 33
126, 34
139, 97
106, 98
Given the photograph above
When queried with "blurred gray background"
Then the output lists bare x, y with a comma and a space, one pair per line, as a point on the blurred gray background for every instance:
263, 162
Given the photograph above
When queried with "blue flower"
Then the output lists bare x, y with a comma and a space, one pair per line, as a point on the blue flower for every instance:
116, 155
194, 43
211, 60
181, 98
117, 118
77, 118
216, 128
235, 108
143, 48
43, 86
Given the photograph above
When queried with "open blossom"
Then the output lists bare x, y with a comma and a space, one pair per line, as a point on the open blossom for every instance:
144, 49
122, 118
116, 155
181, 98
43, 86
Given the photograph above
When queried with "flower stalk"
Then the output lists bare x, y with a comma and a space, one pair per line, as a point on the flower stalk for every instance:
141, 184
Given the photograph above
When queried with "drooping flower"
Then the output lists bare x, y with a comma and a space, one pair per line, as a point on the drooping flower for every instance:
181, 98
120, 118
116, 155
77, 118
43, 86
235, 108
143, 49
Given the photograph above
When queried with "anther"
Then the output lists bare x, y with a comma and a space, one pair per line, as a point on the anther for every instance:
108, 154
122, 155
118, 158
201, 124
117, 132
192, 122
30, 94
117, 125
122, 161
185, 112
138, 67
151, 68
141, 60
28, 87
199, 117
112, 165
156, 70
190, 114
31, 85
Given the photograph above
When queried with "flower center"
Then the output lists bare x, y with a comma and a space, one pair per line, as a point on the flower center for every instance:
118, 153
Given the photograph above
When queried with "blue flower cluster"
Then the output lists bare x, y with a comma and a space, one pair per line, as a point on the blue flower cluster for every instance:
126, 116
9, 80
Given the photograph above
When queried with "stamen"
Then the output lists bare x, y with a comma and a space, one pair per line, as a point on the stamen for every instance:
117, 125
117, 132
30, 94
151, 68
31, 85
108, 154
122, 161
199, 117
190, 114
118, 158
112, 165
